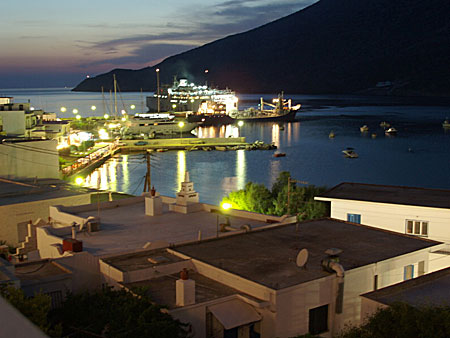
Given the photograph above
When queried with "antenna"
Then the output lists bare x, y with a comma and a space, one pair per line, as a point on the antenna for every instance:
302, 258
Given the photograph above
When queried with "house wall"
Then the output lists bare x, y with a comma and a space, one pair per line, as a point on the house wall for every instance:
13, 122
15, 217
393, 216
49, 246
369, 307
34, 159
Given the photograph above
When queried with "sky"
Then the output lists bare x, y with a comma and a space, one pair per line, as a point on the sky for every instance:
57, 43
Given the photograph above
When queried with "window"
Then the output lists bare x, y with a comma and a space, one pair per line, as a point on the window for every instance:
408, 272
421, 270
418, 228
318, 320
354, 218
375, 282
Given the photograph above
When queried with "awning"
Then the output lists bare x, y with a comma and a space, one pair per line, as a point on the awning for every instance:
234, 313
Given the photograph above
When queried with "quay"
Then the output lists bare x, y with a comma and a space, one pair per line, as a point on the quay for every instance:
87, 164
181, 143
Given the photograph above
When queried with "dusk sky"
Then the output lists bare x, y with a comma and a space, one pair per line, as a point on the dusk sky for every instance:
54, 43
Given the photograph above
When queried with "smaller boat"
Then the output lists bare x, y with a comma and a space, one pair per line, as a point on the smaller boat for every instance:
446, 124
374, 135
384, 124
364, 129
279, 155
350, 153
391, 131
161, 150
221, 148
331, 134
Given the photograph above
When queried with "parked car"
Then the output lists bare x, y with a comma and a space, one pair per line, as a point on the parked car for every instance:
141, 143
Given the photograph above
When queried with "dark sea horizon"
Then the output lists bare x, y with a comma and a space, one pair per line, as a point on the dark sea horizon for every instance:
418, 156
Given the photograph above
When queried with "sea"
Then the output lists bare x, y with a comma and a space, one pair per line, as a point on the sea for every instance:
419, 155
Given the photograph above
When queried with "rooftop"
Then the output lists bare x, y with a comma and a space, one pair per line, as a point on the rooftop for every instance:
390, 194
163, 292
13, 192
427, 290
127, 227
38, 270
269, 256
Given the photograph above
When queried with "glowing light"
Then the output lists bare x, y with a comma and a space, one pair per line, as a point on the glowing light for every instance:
106, 116
174, 106
240, 123
79, 180
62, 145
132, 106
157, 70
124, 119
31, 108
103, 134
75, 111
181, 124
78, 117
226, 206
93, 107
123, 112
63, 109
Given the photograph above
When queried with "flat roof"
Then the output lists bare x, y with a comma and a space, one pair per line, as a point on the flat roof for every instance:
140, 260
22, 191
268, 256
427, 290
38, 270
127, 227
424, 197
162, 290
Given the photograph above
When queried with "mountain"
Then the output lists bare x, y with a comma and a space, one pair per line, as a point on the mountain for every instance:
397, 47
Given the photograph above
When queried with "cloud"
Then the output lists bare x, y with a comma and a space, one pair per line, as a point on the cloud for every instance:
214, 22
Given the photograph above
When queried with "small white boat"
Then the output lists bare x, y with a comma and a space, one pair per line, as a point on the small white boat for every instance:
331, 134
391, 131
364, 129
350, 153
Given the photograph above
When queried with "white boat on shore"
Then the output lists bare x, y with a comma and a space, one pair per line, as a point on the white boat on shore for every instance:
391, 131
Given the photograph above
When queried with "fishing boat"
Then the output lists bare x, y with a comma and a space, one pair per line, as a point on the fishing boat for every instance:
279, 155
350, 153
282, 110
331, 134
364, 129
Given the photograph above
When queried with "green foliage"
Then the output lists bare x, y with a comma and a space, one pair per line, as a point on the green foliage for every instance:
403, 321
35, 308
85, 145
257, 198
115, 314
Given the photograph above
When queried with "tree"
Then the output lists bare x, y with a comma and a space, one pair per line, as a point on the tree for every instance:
111, 313
403, 321
257, 198
36, 308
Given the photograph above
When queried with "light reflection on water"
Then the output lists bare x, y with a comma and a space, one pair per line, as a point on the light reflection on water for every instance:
418, 156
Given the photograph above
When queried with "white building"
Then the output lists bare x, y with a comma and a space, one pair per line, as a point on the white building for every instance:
17, 119
249, 285
413, 211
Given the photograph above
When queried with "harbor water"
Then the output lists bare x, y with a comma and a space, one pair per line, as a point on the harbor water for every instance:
419, 155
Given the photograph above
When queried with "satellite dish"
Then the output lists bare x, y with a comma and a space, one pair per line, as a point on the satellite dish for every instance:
302, 258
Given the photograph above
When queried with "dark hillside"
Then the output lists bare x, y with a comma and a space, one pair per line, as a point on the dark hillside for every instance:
333, 46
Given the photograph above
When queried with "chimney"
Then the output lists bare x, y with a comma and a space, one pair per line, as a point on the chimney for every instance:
153, 204
185, 289
74, 230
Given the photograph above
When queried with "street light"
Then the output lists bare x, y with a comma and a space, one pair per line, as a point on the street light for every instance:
133, 106
106, 116
75, 111
63, 109
78, 117
93, 107
157, 87
181, 125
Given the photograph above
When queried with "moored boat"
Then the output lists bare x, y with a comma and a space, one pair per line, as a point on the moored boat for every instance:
446, 123
364, 129
391, 131
350, 153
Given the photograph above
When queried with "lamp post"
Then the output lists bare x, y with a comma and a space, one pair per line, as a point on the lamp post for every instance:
157, 87
181, 125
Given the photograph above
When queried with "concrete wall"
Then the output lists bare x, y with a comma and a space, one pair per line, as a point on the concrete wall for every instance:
29, 159
369, 307
49, 246
86, 271
13, 122
393, 216
15, 217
